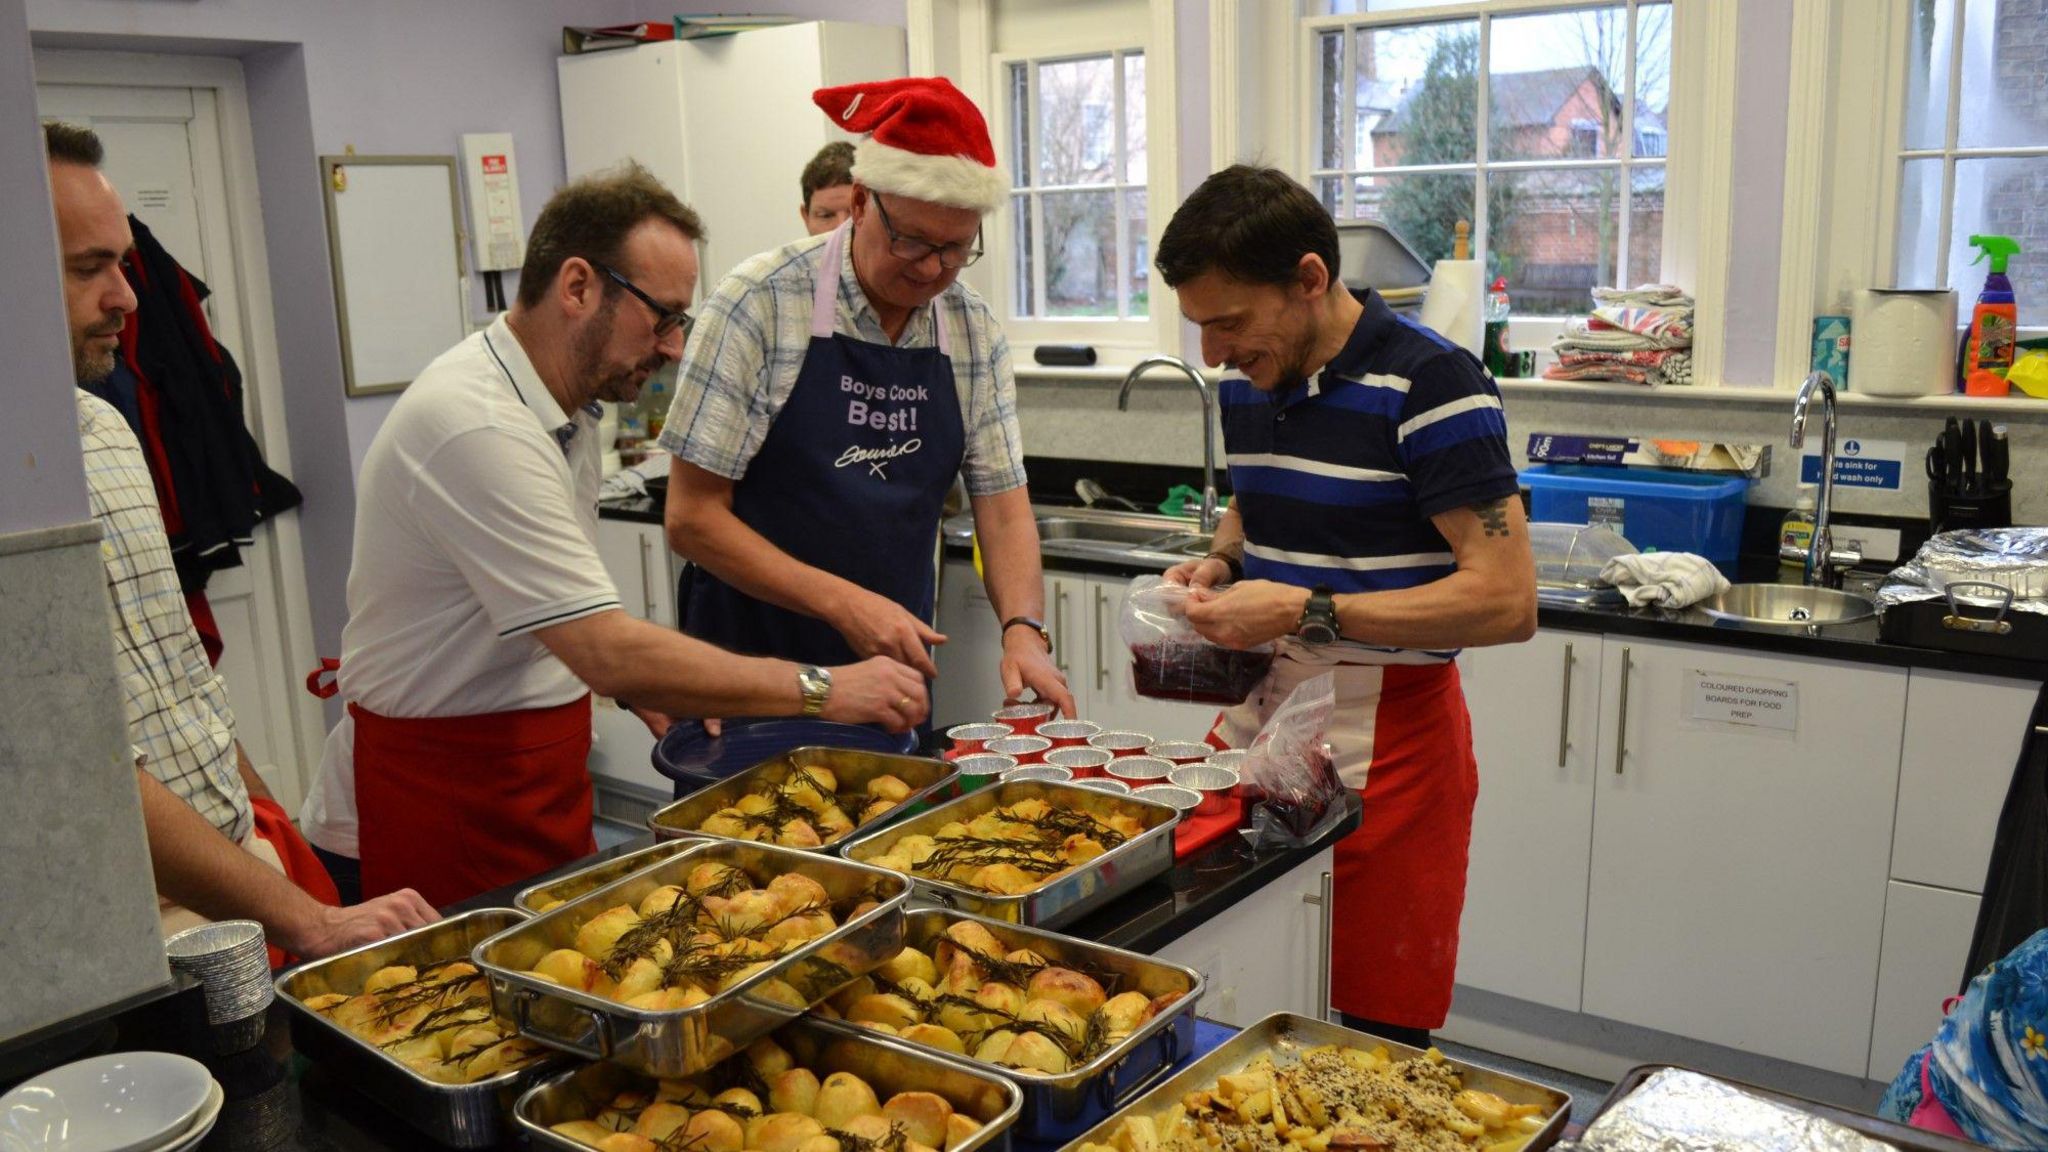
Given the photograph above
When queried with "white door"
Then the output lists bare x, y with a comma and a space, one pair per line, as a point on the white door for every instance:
164, 154
1739, 870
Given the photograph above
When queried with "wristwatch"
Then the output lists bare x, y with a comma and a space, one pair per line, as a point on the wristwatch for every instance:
1318, 623
816, 685
1037, 626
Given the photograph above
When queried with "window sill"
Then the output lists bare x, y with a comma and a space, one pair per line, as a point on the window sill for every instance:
1768, 397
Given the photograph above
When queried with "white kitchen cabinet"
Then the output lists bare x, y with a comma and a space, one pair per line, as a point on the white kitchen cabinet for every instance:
1267, 954
1962, 741
1926, 944
1739, 872
643, 570
1535, 726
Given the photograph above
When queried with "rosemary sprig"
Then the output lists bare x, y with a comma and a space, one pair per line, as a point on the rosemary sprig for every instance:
848, 1142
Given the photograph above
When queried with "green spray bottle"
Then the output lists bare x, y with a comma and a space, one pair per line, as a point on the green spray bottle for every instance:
1994, 323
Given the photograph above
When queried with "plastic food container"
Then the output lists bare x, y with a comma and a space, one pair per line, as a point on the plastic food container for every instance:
1182, 800
1023, 718
1217, 787
1135, 770
1180, 751
974, 737
1105, 784
1082, 762
1052, 772
1659, 508
1120, 743
978, 768
1022, 749
1068, 733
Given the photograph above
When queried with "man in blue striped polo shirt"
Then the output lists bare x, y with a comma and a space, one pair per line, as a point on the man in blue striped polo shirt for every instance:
1375, 531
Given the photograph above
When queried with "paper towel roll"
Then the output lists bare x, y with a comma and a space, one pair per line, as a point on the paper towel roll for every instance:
1454, 306
1905, 341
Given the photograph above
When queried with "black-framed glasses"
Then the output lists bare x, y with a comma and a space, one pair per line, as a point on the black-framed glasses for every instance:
666, 319
953, 256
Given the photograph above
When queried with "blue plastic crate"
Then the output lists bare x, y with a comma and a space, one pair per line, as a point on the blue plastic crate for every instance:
1655, 508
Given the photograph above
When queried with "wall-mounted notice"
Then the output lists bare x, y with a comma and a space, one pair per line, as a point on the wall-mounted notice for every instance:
1745, 701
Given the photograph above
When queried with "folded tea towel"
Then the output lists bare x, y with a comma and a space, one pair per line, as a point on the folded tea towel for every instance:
1665, 579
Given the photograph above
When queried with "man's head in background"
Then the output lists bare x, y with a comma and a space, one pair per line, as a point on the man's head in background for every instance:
828, 187
92, 236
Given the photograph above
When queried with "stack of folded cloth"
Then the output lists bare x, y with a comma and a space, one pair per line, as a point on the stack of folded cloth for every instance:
1640, 336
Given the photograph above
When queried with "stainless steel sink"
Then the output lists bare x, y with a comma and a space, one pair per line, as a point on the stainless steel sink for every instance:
1100, 531
1129, 537
1788, 606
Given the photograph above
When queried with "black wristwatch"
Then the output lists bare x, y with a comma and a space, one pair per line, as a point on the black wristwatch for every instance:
1318, 623
1037, 626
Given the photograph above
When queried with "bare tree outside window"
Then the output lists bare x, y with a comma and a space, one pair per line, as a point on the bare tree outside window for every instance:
1078, 143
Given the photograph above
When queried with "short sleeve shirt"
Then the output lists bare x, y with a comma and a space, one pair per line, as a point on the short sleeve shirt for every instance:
749, 342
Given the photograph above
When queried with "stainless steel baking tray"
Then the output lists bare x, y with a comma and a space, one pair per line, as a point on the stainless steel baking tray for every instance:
852, 767
889, 1066
1056, 1107
563, 889
681, 1041
459, 1115
1283, 1035
1056, 902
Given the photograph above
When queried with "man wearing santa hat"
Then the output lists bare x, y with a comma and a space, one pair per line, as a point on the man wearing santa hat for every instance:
831, 391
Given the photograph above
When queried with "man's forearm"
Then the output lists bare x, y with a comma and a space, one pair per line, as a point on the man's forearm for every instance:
1012, 569
1229, 537
1462, 610
203, 870
663, 669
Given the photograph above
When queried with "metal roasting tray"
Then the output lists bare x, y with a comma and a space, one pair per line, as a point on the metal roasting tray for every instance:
680, 1041
1284, 1034
563, 889
1900, 1136
1059, 901
1056, 1107
853, 767
889, 1066
458, 1115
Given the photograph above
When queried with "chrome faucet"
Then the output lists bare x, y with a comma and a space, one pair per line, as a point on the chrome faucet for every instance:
1123, 404
1821, 559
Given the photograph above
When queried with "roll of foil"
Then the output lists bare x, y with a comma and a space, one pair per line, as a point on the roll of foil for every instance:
2012, 559
1680, 1111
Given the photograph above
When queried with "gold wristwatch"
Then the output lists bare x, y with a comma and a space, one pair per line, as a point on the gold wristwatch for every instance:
816, 685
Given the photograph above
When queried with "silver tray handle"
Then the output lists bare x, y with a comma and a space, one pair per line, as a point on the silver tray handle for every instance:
1958, 620
1114, 1098
523, 1000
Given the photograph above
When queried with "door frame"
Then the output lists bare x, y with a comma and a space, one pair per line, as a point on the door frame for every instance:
262, 371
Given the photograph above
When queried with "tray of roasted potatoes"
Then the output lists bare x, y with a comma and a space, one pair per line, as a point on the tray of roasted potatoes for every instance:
1294, 1084
408, 1021
806, 1088
1082, 1028
550, 893
677, 966
808, 798
1028, 852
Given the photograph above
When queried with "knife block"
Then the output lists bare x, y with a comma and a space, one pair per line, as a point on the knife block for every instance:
1947, 510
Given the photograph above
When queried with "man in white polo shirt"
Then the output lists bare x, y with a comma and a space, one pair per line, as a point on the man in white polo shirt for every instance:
480, 617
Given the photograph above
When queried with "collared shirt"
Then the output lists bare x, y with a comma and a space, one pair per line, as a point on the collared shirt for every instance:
1336, 479
175, 703
476, 525
749, 342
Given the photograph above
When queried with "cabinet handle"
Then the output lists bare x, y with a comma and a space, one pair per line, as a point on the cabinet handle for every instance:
646, 580
1101, 668
1325, 900
1059, 625
1621, 728
1564, 717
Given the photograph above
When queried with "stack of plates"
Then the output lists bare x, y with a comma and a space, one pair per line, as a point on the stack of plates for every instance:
125, 1102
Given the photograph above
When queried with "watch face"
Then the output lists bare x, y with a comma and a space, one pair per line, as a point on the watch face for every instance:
1317, 632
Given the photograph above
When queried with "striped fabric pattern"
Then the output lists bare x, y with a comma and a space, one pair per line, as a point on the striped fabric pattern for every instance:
1336, 480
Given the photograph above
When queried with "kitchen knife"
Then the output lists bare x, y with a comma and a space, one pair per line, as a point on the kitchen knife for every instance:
1969, 438
1952, 457
1984, 453
1999, 466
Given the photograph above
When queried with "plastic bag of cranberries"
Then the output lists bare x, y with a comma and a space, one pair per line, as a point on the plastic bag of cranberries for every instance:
1171, 661
1290, 769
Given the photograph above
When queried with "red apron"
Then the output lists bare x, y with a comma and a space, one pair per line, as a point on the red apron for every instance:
1400, 877
457, 805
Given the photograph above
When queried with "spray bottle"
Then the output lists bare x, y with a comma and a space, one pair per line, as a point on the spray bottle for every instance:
1994, 323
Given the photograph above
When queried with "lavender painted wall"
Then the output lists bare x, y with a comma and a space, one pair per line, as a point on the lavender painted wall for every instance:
42, 479
1764, 78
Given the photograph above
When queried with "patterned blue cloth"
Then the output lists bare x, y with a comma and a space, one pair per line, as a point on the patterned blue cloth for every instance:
1988, 1065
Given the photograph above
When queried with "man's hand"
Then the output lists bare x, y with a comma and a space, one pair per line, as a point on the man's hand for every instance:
875, 625
1249, 614
1204, 573
657, 722
1027, 664
332, 930
877, 690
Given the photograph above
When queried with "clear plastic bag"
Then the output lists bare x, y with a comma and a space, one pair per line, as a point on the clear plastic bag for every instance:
1171, 661
1289, 767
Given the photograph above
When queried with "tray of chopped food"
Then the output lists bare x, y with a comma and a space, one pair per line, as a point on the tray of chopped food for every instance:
809, 798
675, 967
408, 1021
1082, 1028
1294, 1084
562, 889
807, 1088
1033, 852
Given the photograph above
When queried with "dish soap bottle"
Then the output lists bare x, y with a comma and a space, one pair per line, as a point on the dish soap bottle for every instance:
1994, 323
1496, 340
1796, 530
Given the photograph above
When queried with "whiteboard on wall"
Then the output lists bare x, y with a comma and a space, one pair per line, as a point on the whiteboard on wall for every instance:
394, 233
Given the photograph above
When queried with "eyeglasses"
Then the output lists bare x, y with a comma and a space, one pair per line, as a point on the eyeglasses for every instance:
666, 320
953, 256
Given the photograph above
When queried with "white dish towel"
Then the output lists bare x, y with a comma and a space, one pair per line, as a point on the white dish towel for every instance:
1665, 579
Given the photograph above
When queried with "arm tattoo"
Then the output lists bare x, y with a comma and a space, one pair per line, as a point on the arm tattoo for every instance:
1493, 516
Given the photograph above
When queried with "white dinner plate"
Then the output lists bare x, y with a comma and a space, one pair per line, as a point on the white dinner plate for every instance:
209, 1114
121, 1102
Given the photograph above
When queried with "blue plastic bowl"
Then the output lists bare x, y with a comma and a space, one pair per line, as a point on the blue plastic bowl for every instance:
693, 759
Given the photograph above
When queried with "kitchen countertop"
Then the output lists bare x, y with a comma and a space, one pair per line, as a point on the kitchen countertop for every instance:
279, 1101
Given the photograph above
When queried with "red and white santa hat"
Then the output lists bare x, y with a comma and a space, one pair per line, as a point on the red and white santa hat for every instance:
926, 140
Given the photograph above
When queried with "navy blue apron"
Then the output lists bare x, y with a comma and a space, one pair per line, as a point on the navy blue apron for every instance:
851, 478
